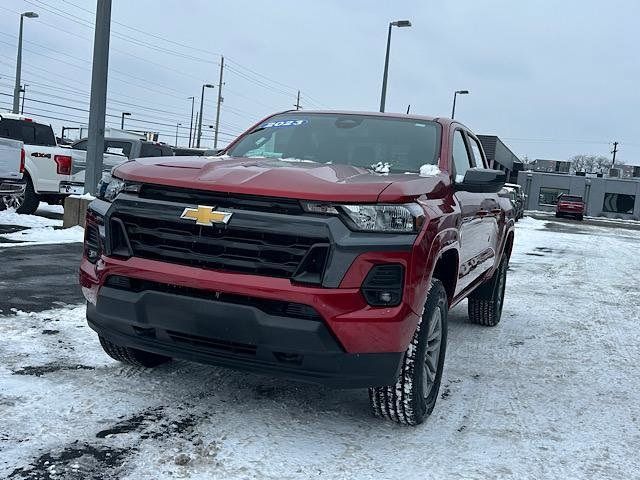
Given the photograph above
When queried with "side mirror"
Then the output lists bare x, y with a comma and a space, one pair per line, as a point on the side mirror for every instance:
482, 180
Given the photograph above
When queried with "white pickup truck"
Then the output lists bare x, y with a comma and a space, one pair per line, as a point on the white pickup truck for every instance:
11, 170
46, 164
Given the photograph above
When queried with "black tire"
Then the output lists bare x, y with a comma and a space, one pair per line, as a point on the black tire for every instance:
414, 395
132, 356
485, 303
31, 200
558, 215
580, 217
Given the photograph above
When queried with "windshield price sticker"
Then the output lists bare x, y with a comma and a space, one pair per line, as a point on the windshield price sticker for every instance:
285, 123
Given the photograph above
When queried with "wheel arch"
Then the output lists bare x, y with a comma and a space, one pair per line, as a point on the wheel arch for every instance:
446, 270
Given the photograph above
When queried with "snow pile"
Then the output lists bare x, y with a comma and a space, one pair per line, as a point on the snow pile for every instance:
429, 170
381, 167
43, 236
10, 217
84, 196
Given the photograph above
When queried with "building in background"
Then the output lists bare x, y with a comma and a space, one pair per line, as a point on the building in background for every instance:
603, 196
501, 157
551, 166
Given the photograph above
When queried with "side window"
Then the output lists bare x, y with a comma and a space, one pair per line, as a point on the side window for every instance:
477, 152
461, 159
117, 148
150, 150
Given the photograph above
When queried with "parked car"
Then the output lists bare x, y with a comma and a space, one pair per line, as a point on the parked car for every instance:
47, 165
323, 246
11, 171
518, 199
116, 151
570, 206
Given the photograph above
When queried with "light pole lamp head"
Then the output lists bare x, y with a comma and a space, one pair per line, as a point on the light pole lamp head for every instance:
462, 92
126, 114
30, 14
401, 23
208, 85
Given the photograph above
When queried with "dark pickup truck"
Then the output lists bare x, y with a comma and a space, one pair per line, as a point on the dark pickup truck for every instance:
322, 246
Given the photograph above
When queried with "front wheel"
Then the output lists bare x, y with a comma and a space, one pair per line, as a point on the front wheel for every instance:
414, 395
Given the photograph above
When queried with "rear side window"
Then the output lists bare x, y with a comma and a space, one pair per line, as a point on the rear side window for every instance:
30, 133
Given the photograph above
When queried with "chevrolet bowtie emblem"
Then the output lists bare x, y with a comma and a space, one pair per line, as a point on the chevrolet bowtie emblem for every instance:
206, 216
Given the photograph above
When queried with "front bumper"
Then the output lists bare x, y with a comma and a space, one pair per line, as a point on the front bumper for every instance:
350, 343
234, 335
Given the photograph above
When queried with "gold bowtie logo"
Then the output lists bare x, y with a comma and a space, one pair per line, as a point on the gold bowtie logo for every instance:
206, 216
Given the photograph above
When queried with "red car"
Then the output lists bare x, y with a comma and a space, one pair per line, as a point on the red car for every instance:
321, 246
570, 205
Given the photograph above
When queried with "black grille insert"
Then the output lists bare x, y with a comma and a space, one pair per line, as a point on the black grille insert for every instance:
227, 249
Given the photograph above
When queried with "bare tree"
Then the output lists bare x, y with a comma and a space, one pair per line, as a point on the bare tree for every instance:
527, 162
591, 163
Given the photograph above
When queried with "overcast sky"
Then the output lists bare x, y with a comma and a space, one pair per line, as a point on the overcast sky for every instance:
552, 79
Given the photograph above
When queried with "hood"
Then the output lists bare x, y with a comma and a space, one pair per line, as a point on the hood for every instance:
299, 179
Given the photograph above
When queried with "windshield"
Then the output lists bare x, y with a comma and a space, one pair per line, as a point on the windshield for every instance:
380, 143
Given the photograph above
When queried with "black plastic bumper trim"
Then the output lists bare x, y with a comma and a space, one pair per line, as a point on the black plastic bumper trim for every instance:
236, 336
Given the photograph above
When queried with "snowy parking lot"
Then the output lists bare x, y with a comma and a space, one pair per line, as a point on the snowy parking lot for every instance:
552, 392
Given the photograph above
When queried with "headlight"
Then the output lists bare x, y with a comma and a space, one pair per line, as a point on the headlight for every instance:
407, 218
109, 187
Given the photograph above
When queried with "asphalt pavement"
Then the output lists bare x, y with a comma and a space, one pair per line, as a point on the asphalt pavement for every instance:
39, 277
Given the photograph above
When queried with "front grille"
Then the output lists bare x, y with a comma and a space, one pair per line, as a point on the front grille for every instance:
227, 249
271, 307
221, 200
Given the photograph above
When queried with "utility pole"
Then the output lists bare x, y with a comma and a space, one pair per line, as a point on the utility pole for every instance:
408, 108
297, 105
98, 102
24, 93
614, 151
193, 99
220, 100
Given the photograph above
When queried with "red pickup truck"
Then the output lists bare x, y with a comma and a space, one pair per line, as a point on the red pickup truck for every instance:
322, 246
570, 205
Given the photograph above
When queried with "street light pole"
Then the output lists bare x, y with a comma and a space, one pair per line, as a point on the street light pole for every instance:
177, 125
455, 94
24, 94
124, 114
206, 85
385, 74
16, 88
193, 99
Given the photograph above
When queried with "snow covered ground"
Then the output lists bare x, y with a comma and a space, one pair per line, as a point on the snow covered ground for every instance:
42, 228
552, 392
